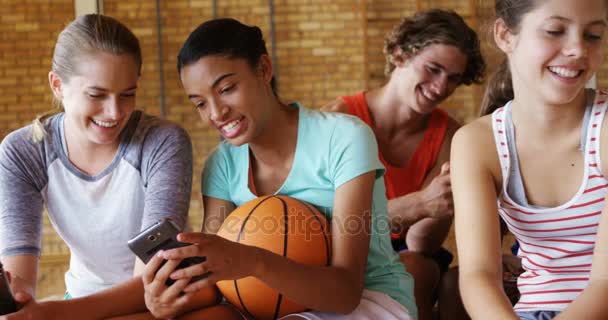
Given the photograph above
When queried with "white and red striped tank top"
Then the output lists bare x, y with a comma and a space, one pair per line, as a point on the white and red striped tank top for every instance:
556, 244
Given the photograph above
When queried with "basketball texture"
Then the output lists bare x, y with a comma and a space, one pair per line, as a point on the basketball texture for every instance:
285, 226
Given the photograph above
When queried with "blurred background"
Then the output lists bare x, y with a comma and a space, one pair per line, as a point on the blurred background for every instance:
321, 49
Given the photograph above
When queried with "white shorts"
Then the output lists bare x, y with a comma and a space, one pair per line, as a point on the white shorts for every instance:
374, 305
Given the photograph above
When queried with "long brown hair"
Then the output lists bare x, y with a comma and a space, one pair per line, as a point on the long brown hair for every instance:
85, 35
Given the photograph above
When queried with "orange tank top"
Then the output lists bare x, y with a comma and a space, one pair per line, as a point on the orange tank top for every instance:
400, 181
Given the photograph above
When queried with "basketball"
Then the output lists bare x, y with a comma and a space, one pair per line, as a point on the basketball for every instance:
285, 226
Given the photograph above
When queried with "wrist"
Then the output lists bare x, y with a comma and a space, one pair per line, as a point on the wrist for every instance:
419, 209
405, 211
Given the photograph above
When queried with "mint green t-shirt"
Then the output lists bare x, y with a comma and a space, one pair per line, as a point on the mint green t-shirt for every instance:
331, 149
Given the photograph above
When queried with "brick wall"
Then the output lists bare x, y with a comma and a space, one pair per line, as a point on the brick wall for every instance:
27, 30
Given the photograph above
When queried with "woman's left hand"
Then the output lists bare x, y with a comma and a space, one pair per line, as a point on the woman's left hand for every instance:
225, 260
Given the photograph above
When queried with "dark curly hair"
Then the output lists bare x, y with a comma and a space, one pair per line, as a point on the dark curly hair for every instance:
436, 26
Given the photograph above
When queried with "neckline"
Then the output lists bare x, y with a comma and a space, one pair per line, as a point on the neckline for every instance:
124, 137
294, 163
416, 154
507, 170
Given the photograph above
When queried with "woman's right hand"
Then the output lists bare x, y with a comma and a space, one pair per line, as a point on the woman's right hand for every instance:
162, 301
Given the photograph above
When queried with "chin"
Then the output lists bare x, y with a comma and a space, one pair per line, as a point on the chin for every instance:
561, 95
425, 109
104, 140
237, 141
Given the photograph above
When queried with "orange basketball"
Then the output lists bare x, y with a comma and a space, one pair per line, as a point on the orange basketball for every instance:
285, 226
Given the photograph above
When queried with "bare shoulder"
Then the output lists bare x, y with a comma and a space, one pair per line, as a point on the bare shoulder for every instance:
337, 105
476, 138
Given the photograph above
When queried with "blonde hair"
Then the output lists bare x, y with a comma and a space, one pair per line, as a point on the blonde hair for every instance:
85, 35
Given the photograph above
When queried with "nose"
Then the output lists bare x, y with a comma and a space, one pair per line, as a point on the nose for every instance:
576, 47
217, 111
112, 108
439, 86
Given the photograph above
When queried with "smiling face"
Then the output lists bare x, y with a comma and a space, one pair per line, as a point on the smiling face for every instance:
231, 95
429, 77
557, 49
99, 99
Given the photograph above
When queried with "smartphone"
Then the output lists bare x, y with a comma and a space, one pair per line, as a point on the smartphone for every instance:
7, 302
162, 235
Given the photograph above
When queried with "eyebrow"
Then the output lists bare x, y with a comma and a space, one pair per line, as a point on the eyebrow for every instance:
215, 83
594, 22
104, 89
441, 67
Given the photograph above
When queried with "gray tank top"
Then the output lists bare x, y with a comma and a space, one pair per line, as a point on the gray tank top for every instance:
515, 188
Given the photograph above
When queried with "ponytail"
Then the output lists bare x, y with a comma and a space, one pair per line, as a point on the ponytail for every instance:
38, 131
499, 90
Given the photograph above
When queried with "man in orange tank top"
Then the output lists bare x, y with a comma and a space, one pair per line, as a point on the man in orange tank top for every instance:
428, 56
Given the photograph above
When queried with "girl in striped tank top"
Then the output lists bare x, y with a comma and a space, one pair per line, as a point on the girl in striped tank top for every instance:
538, 160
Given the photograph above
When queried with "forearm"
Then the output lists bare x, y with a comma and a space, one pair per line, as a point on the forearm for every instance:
493, 305
590, 304
327, 289
124, 299
24, 272
405, 211
428, 235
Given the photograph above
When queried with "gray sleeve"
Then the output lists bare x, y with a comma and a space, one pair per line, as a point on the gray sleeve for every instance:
22, 178
167, 174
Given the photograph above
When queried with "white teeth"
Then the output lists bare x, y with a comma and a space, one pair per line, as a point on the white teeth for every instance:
566, 73
427, 94
105, 124
229, 126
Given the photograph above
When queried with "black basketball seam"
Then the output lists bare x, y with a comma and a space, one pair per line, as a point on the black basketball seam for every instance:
236, 286
285, 238
314, 214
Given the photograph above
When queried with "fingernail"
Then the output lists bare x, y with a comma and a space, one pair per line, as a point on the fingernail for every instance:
160, 253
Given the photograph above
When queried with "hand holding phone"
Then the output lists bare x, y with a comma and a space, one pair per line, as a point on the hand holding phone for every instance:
162, 235
7, 301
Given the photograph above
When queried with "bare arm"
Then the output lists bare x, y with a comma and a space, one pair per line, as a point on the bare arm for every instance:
126, 298
428, 234
216, 211
337, 288
475, 177
23, 271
